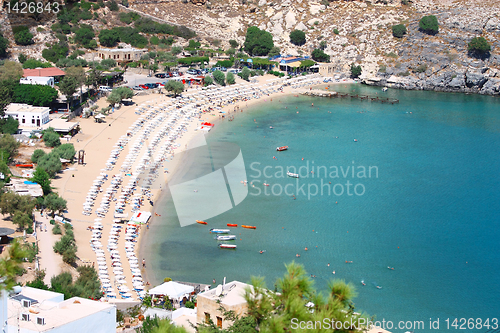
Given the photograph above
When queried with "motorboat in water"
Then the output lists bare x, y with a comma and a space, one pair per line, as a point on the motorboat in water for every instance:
384, 89
227, 246
248, 226
232, 225
201, 222
225, 237
291, 174
219, 231
282, 148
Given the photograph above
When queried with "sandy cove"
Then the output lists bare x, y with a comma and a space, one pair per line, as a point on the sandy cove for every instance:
98, 139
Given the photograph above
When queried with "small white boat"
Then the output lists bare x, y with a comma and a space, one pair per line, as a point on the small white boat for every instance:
384, 89
220, 231
227, 246
225, 237
291, 174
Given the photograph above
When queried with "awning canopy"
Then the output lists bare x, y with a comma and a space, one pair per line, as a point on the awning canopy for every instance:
172, 289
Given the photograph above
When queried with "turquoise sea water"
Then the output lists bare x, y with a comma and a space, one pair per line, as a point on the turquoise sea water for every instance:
431, 210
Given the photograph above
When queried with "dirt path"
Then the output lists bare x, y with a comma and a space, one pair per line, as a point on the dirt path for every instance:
50, 261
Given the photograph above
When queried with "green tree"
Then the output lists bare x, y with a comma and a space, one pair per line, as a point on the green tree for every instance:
355, 70
84, 35
54, 203
233, 43
219, 77
429, 24
230, 78
11, 71
78, 73
174, 86
22, 58
42, 178
23, 37
274, 51
50, 163
119, 94
22, 220
51, 138
10, 265
479, 47
34, 94
9, 144
9, 125
176, 50
154, 40
398, 30
55, 52
4, 169
258, 42
208, 80
66, 151
11, 202
245, 73
4, 44
322, 45
109, 38
298, 37
68, 87
320, 56
194, 44
93, 78
37, 154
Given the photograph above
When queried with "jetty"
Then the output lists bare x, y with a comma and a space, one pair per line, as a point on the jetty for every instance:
334, 94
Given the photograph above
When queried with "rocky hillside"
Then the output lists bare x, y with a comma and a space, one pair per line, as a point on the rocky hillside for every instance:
359, 32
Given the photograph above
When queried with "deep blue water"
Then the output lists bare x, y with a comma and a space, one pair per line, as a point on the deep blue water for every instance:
430, 209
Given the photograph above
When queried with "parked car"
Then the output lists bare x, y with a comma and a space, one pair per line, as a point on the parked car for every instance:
192, 72
234, 70
160, 84
160, 75
137, 88
105, 88
175, 74
143, 86
151, 85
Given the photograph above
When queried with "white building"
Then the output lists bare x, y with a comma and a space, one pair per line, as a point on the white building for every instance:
35, 310
42, 80
28, 115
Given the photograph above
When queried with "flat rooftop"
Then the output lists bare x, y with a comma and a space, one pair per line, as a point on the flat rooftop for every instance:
21, 107
128, 49
232, 293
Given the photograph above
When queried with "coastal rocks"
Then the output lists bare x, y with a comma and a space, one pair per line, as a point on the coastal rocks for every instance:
290, 20
320, 93
457, 82
493, 25
491, 87
474, 79
301, 26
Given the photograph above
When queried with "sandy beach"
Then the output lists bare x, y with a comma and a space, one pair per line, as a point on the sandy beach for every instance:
98, 139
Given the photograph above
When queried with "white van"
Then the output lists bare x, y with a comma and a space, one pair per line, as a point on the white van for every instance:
234, 70
105, 88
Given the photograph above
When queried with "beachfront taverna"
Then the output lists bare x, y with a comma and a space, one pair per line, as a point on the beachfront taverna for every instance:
231, 298
28, 115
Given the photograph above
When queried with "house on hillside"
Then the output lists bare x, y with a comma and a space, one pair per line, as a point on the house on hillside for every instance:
122, 55
29, 116
231, 298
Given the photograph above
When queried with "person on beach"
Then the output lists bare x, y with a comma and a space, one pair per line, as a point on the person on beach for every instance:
143, 263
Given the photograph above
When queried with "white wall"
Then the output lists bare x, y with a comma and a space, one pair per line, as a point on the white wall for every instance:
3, 311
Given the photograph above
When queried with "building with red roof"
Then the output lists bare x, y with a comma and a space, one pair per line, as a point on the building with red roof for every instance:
51, 71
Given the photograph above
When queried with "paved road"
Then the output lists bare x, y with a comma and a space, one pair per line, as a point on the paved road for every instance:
49, 260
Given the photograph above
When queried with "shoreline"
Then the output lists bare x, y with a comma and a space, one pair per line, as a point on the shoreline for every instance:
98, 139
244, 106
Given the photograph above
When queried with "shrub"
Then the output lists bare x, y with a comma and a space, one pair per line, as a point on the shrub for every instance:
429, 24
4, 43
36, 155
233, 43
245, 73
398, 30
51, 138
113, 6
336, 31
298, 37
154, 40
230, 78
208, 80
479, 46
55, 52
67, 151
421, 68
22, 58
109, 37
355, 71
23, 37
320, 56
56, 230
219, 77
258, 42
50, 163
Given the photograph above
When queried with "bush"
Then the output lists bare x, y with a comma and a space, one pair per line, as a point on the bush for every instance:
429, 24
109, 37
320, 55
421, 68
67, 151
189, 305
230, 78
154, 40
208, 80
355, 71
51, 138
113, 6
34, 63
258, 42
50, 163
298, 37
56, 230
55, 52
23, 37
36, 155
233, 43
398, 30
4, 44
9, 125
219, 77
336, 31
479, 46
245, 73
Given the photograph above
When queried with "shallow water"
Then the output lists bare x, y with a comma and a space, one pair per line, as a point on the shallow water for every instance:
429, 210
